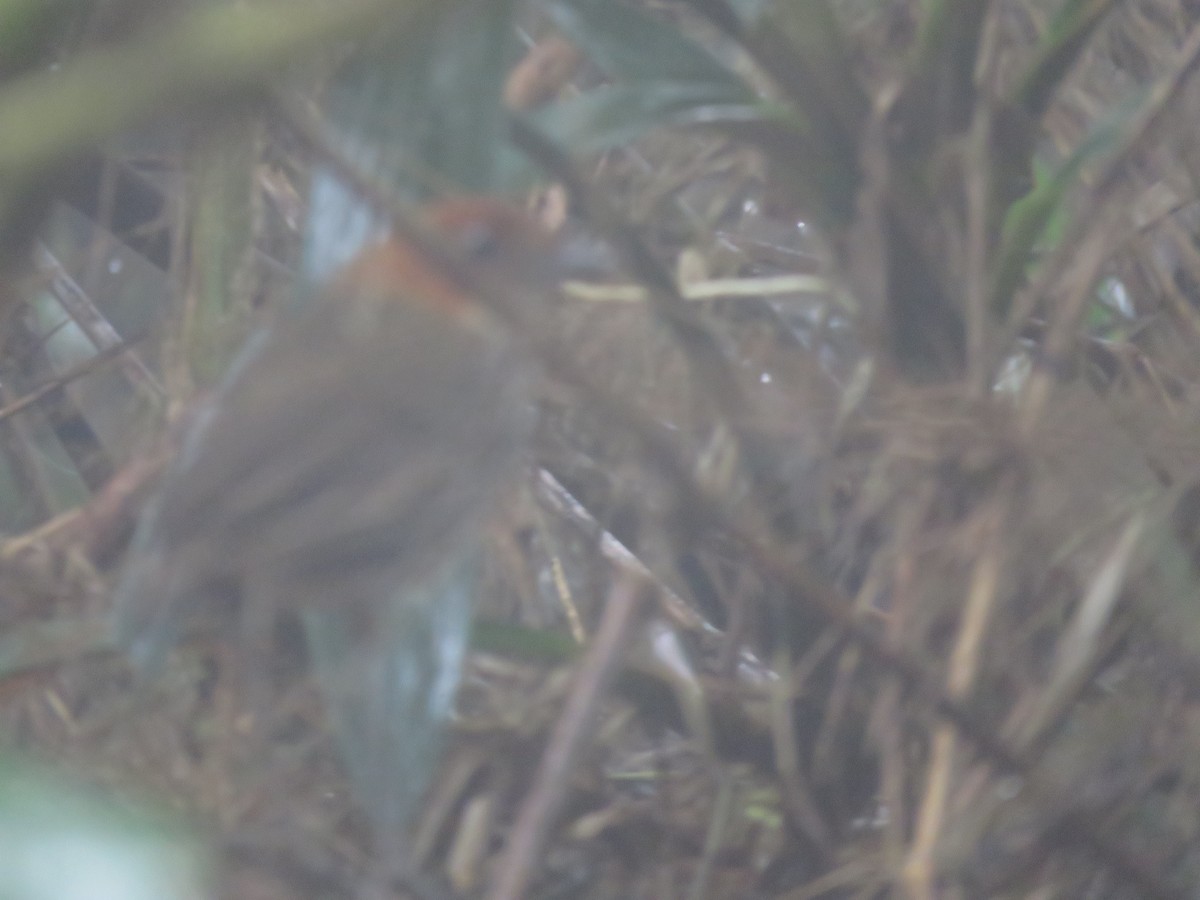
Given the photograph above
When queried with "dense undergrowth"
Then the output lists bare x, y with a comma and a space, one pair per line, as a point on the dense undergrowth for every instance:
879, 422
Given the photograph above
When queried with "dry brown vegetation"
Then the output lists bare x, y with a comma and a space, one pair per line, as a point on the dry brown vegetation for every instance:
856, 559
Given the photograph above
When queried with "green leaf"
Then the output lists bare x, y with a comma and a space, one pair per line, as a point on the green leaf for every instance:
531, 645
1038, 217
418, 110
422, 107
635, 48
660, 79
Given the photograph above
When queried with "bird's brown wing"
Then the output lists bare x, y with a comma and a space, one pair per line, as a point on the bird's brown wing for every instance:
313, 451
372, 460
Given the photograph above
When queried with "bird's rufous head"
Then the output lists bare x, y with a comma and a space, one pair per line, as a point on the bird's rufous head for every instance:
489, 246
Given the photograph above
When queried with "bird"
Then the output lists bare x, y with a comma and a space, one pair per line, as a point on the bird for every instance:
343, 474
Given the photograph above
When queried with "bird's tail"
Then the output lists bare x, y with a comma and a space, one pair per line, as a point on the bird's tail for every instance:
388, 694
146, 621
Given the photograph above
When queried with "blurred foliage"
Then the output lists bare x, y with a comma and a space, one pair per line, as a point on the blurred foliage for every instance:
656, 77
425, 102
59, 840
1005, 187
216, 51
224, 214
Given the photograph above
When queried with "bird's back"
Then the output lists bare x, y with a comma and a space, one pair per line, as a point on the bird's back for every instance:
359, 445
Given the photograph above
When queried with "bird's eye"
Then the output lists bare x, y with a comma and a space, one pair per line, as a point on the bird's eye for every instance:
481, 241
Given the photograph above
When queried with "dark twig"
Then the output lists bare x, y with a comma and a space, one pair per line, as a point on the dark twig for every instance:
599, 666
